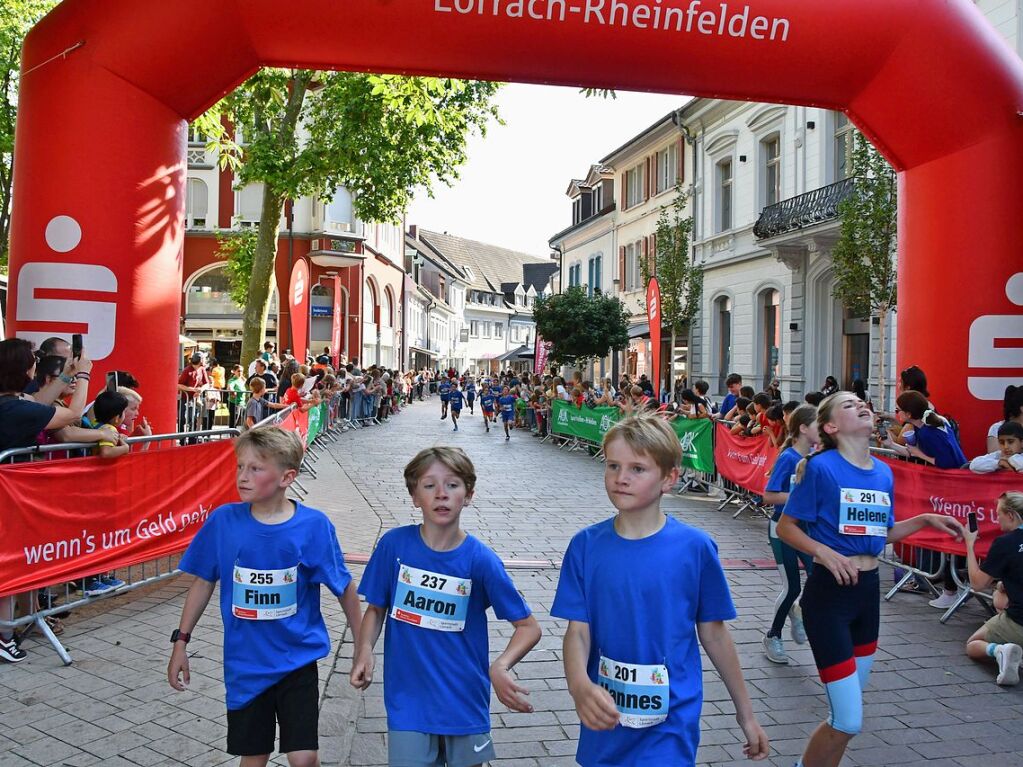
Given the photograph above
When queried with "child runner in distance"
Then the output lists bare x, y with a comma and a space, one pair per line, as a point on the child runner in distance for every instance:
270, 555
638, 590
444, 389
1002, 636
507, 404
802, 438
487, 400
432, 584
455, 400
843, 497
470, 393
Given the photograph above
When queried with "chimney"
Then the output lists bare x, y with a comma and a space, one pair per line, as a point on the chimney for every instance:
413, 231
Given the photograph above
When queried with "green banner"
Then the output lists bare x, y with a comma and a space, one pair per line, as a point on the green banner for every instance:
697, 438
588, 423
317, 417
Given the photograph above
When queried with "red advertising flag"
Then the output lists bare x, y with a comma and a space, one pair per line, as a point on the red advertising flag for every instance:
955, 492
146, 505
743, 460
298, 301
335, 331
541, 350
653, 314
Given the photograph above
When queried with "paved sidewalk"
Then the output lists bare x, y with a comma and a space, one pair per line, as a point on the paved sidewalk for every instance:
928, 704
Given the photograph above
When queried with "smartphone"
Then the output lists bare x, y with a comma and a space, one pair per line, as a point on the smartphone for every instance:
112, 381
76, 346
971, 520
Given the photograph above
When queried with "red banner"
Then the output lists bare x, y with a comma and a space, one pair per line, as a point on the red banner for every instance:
64, 520
541, 350
743, 460
298, 301
298, 422
335, 331
955, 492
653, 315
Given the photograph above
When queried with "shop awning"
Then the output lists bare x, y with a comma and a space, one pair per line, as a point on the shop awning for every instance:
421, 350
514, 354
641, 330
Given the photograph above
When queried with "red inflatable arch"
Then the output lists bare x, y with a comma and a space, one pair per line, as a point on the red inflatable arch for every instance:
109, 84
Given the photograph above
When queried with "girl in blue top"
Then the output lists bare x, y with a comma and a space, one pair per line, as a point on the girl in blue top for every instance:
933, 440
802, 436
843, 496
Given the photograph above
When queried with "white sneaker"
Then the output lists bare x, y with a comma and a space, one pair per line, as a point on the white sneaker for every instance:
796, 629
1008, 657
945, 601
774, 648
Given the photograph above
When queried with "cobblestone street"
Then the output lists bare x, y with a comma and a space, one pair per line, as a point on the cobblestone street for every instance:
927, 703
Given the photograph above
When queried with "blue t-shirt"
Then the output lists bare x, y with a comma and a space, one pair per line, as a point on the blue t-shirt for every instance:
470, 390
844, 507
445, 390
642, 600
436, 646
270, 578
487, 401
942, 446
780, 480
456, 399
727, 404
507, 404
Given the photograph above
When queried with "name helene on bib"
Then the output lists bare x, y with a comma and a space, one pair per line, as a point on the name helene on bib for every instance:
863, 512
640, 693
431, 600
264, 595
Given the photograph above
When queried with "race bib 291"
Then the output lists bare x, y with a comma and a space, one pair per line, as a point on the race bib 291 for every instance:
863, 512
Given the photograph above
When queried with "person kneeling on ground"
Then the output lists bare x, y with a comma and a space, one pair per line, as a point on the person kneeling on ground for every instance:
1000, 638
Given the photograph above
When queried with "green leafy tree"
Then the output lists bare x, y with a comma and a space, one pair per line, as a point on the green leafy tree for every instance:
238, 249
17, 17
307, 133
679, 279
581, 327
865, 257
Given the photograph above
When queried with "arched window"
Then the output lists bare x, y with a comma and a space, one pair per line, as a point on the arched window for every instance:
197, 198
722, 341
369, 302
387, 310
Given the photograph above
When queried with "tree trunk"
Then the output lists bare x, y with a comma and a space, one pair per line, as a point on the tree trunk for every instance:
671, 367
882, 328
261, 282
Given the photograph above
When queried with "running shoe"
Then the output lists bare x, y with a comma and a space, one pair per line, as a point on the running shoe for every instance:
946, 600
796, 628
94, 587
1008, 657
455, 429
774, 648
10, 652
111, 581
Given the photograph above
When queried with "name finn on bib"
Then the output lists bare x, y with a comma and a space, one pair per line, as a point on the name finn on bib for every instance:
264, 595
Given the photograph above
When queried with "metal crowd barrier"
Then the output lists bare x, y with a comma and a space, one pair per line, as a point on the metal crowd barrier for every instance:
44, 611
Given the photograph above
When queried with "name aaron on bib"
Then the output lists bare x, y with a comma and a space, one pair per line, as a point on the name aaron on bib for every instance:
863, 512
640, 693
431, 600
264, 595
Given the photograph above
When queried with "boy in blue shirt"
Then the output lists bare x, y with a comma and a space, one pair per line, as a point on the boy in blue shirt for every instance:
455, 400
487, 400
637, 590
470, 394
270, 555
507, 404
432, 584
444, 389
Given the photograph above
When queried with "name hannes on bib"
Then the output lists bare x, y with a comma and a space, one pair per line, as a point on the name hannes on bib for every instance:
640, 693
264, 595
863, 512
431, 600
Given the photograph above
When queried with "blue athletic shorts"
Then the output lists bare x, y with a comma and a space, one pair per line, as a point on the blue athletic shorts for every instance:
420, 749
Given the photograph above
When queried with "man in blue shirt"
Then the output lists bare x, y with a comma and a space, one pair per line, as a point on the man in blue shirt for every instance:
734, 383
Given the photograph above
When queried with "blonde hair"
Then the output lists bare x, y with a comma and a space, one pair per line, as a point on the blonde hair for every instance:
825, 440
648, 434
131, 394
1012, 502
282, 447
454, 458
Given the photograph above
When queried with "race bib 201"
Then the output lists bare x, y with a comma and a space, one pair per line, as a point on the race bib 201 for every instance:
431, 600
640, 692
264, 595
863, 512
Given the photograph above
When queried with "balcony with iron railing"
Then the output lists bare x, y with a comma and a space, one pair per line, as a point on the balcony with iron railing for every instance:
802, 211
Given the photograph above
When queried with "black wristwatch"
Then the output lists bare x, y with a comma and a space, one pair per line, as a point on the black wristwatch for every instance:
177, 635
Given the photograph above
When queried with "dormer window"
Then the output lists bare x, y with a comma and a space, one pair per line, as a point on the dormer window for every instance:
469, 273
